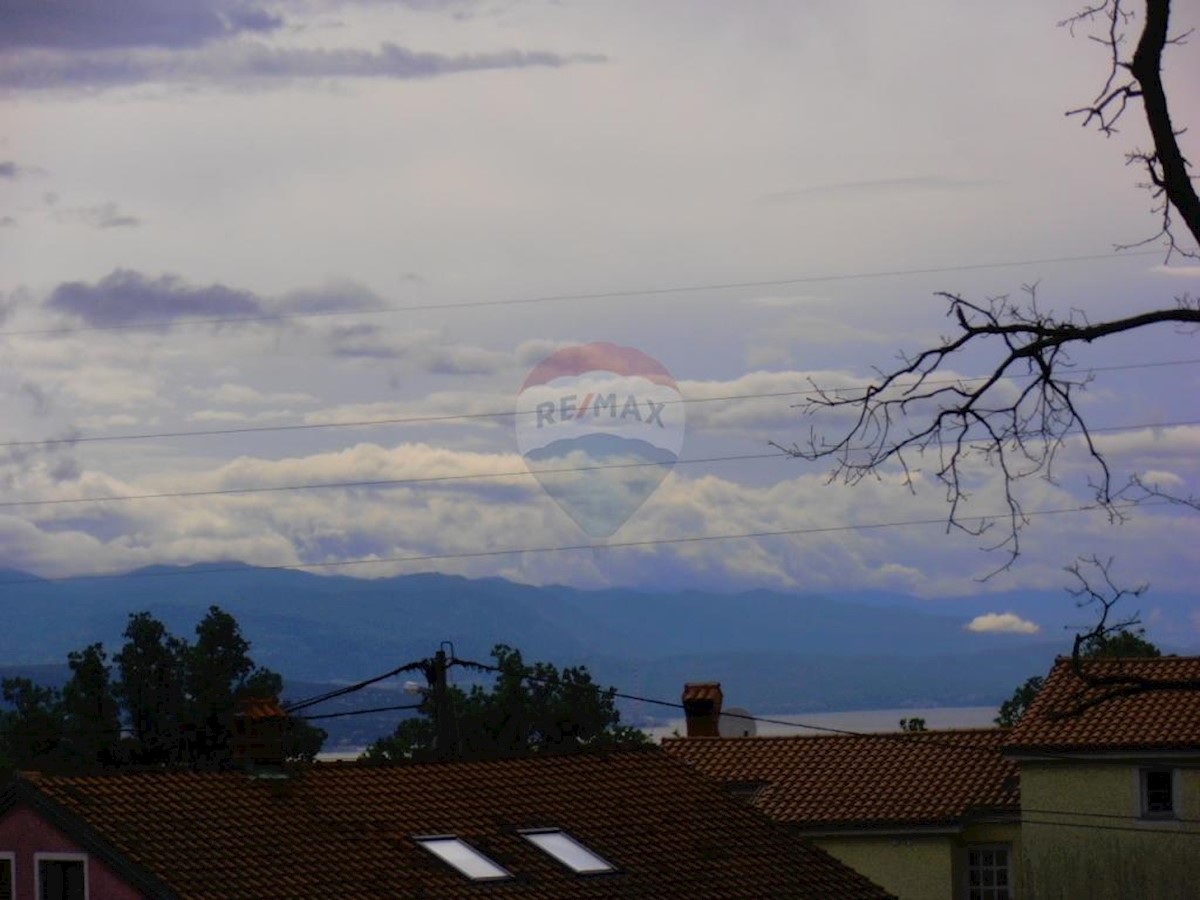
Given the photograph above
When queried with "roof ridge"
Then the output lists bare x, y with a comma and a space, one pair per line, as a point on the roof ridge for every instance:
857, 735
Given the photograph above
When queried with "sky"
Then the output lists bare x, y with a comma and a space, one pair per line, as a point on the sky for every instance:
219, 215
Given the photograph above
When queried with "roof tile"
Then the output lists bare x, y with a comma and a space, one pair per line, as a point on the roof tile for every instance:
863, 781
1074, 714
347, 830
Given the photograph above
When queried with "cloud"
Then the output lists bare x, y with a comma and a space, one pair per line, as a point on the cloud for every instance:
35, 395
252, 63
335, 296
102, 216
882, 185
125, 296
1002, 623
421, 349
1160, 479
89, 25
229, 394
8, 222
1177, 271
11, 171
788, 302
455, 516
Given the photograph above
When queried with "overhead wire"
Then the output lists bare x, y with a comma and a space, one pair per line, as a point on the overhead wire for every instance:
499, 414
296, 705
486, 476
359, 712
565, 548
919, 738
573, 297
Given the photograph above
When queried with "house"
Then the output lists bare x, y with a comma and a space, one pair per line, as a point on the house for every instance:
1095, 794
632, 823
921, 814
1110, 780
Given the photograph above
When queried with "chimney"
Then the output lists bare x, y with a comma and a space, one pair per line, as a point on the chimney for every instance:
702, 706
258, 729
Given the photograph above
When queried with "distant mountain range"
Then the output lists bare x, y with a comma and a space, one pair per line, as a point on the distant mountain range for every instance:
774, 652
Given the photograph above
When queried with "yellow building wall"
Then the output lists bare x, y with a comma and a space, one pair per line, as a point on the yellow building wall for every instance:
1111, 854
923, 867
913, 868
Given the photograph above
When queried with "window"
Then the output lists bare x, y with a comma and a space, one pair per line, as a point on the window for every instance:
568, 851
463, 857
8, 862
988, 874
1158, 794
61, 876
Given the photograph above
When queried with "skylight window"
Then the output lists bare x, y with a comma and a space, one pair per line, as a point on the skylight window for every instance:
568, 851
463, 857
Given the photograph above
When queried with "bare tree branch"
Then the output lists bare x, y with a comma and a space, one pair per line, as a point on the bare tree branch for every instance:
1141, 77
907, 414
1095, 587
1106, 595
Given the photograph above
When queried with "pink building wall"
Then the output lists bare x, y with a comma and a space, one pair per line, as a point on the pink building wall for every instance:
25, 832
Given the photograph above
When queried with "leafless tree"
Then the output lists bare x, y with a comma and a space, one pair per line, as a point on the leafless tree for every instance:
1112, 641
1018, 417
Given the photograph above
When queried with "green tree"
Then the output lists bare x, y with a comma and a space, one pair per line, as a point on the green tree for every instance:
91, 717
1121, 644
151, 690
915, 724
217, 669
179, 701
530, 709
1015, 706
31, 730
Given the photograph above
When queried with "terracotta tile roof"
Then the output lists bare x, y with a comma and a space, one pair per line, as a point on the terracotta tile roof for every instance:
934, 778
260, 708
347, 831
1069, 714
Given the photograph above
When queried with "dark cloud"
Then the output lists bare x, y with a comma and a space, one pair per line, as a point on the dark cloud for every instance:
361, 340
7, 222
124, 297
252, 63
882, 185
104, 24
104, 215
35, 395
11, 171
346, 297
57, 460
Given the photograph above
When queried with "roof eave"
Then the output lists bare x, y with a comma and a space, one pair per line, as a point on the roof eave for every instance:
22, 792
999, 816
1068, 753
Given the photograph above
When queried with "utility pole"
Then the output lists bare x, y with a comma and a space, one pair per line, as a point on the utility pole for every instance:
442, 715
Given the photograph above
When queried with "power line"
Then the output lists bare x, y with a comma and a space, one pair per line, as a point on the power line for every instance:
1185, 832
360, 712
566, 548
485, 476
923, 738
561, 298
357, 686
392, 482
495, 414
129, 729
1097, 815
